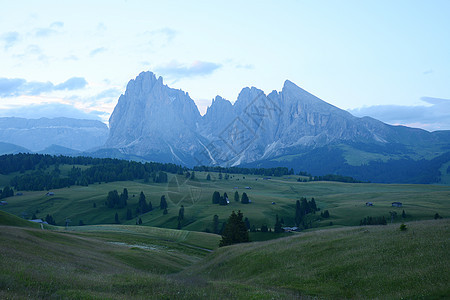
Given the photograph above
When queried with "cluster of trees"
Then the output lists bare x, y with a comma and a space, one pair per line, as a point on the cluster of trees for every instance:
223, 200
304, 207
26, 161
373, 221
218, 199
235, 230
279, 171
6, 192
325, 214
328, 177
49, 219
102, 170
114, 200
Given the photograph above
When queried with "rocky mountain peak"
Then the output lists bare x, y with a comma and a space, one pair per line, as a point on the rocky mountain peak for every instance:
155, 121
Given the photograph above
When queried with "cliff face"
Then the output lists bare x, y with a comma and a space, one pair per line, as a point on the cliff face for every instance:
156, 122
153, 119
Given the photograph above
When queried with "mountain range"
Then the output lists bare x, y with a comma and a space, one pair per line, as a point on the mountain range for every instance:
291, 128
52, 135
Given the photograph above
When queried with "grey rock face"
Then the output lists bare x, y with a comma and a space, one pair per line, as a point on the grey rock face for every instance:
38, 134
154, 121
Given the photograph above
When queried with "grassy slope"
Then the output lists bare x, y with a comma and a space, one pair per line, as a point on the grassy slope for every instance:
346, 202
11, 220
109, 262
362, 262
365, 262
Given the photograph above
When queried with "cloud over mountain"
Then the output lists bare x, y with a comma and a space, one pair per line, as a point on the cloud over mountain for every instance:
178, 70
12, 87
49, 110
432, 117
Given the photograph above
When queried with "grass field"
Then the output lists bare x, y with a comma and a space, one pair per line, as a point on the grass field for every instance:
345, 201
138, 262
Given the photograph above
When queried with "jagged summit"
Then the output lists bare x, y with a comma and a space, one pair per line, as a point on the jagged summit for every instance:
157, 122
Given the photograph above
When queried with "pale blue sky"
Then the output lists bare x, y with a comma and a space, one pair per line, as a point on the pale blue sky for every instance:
365, 56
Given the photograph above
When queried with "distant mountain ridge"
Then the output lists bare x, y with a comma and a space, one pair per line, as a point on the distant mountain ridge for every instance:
39, 134
156, 122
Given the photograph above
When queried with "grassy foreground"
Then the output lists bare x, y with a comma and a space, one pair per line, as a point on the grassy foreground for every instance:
377, 262
117, 262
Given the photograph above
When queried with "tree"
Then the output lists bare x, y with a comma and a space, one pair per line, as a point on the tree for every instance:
235, 230
140, 221
80, 223
181, 213
236, 196
113, 198
247, 223
216, 197
193, 175
163, 202
437, 216
216, 224
208, 177
298, 213
125, 193
6, 192
244, 199
264, 228
223, 200
49, 219
142, 204
149, 206
277, 227
220, 175
313, 205
403, 214
116, 218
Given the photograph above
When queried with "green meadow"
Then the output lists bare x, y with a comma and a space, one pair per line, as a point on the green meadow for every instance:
335, 259
271, 197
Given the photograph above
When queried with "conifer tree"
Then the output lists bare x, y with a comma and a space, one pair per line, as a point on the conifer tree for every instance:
142, 204
216, 197
216, 224
163, 202
236, 196
277, 227
235, 230
244, 199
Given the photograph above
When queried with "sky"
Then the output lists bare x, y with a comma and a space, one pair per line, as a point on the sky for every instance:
385, 59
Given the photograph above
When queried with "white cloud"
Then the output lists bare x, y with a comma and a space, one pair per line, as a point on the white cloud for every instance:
10, 39
49, 110
97, 51
177, 70
13, 87
432, 117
